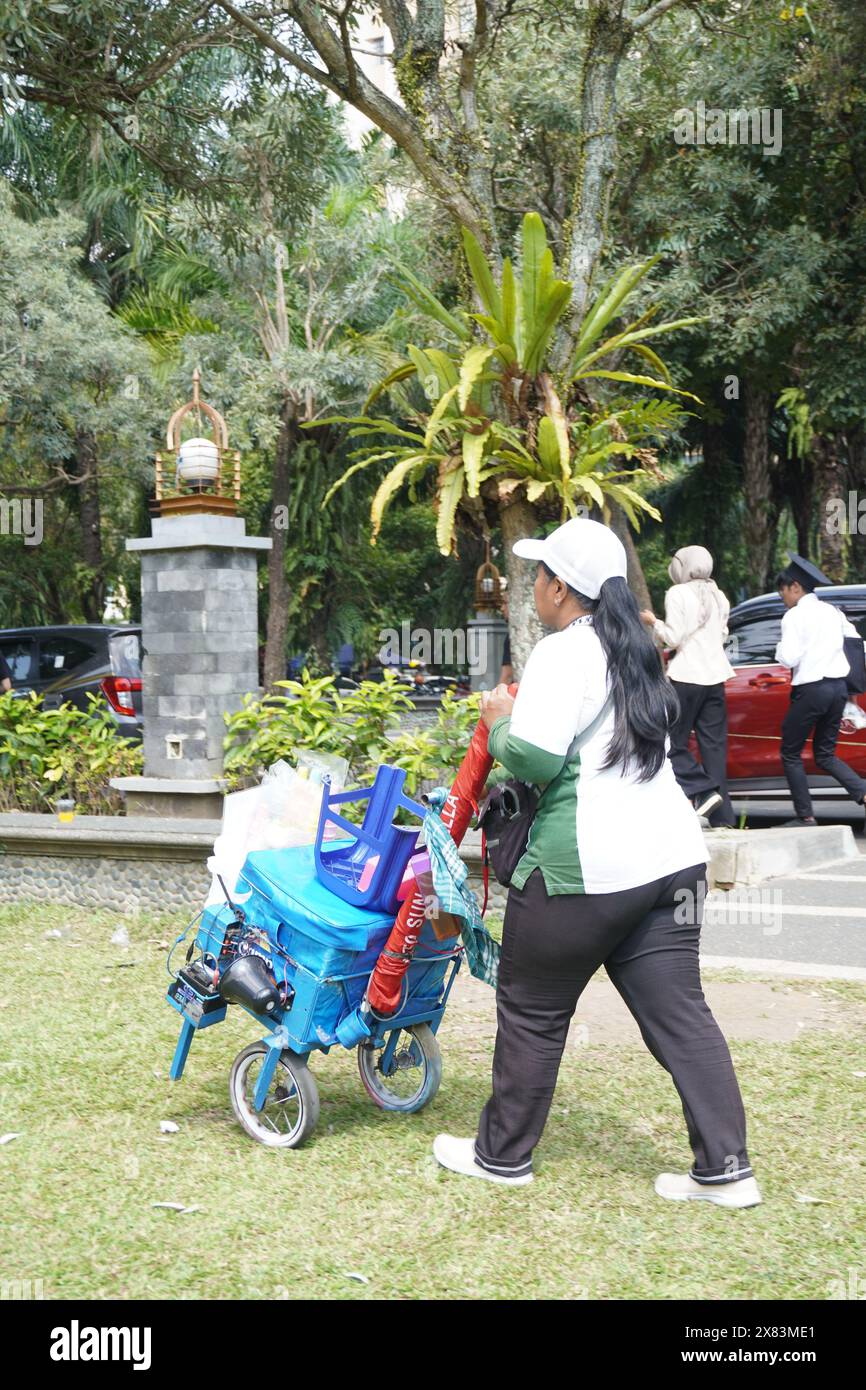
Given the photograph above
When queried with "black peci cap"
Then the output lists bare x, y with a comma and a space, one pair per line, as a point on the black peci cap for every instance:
804, 573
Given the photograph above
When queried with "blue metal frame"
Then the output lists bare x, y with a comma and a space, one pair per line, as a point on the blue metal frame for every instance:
188, 1030
385, 1034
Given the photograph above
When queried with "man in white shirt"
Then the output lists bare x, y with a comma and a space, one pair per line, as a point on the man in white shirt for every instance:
812, 647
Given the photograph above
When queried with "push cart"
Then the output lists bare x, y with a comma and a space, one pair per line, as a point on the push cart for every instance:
294, 945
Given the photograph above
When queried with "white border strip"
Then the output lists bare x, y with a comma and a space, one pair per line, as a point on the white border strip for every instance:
733, 910
809, 970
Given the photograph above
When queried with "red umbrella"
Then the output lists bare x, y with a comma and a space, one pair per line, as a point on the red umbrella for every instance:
386, 982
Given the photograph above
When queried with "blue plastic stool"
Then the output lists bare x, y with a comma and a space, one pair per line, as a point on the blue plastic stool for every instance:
341, 868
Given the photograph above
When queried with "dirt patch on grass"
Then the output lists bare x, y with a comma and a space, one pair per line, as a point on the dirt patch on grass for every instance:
752, 1010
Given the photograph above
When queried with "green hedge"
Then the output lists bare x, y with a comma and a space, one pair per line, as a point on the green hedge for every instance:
362, 726
67, 752
46, 754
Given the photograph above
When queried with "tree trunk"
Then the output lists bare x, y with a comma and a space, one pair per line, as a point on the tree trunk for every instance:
636, 579
857, 484
86, 468
278, 585
322, 646
713, 479
756, 487
830, 487
607, 40
798, 481
517, 520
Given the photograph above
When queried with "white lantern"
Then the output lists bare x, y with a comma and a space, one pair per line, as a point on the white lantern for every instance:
198, 461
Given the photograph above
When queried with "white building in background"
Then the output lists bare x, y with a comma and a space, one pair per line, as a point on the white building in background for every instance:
372, 50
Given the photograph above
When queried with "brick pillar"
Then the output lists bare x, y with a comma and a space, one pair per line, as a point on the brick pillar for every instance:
199, 613
486, 634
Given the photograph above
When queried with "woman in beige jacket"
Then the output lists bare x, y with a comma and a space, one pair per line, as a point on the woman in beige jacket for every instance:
696, 625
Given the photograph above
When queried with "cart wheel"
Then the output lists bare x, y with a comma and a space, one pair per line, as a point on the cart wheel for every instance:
413, 1075
291, 1109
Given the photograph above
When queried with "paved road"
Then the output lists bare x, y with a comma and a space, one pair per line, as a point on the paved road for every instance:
815, 919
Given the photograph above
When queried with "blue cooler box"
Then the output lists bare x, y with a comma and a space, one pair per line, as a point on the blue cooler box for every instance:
326, 948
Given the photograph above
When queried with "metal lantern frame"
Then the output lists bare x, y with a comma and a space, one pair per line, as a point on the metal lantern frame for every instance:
221, 494
488, 598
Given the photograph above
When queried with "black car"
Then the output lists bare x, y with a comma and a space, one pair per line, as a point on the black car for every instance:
63, 664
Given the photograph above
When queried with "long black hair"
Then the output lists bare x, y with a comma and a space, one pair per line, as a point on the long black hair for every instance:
644, 701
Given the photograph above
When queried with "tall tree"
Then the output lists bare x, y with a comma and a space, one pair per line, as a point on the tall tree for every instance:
437, 116
768, 245
74, 418
301, 313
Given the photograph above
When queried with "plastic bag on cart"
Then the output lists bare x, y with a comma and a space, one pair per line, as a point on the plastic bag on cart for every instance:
230, 846
315, 766
287, 813
282, 812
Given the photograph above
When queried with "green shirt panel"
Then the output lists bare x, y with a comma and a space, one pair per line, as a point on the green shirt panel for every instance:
552, 845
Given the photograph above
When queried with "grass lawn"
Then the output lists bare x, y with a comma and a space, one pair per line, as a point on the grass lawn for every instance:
85, 1044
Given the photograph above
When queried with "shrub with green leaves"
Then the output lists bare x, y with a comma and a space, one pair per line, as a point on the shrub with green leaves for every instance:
46, 754
362, 726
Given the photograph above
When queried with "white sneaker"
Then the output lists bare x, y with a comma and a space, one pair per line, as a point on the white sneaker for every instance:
707, 803
459, 1156
680, 1187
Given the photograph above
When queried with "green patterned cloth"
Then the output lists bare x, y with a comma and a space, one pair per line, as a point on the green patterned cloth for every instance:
450, 876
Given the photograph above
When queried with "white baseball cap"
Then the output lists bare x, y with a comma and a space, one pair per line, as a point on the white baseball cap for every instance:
583, 553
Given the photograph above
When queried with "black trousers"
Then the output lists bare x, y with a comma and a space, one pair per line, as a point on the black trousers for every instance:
647, 939
702, 709
818, 706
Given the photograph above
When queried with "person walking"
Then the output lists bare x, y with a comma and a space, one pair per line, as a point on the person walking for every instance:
812, 646
696, 625
614, 874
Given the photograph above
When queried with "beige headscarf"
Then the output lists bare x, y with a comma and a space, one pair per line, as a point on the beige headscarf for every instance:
693, 564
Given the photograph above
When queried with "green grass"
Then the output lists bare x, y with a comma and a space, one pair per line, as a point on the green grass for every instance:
85, 1045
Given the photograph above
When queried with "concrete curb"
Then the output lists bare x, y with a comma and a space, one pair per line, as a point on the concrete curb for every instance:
162, 863
112, 836
739, 857
750, 856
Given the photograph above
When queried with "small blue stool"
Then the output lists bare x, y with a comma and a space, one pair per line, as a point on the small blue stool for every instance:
341, 868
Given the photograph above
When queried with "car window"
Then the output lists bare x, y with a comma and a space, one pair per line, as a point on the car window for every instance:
125, 648
754, 643
59, 655
18, 652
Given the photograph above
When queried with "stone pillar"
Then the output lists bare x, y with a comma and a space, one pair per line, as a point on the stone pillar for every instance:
487, 633
199, 615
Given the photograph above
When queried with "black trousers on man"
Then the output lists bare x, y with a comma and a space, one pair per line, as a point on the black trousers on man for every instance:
702, 708
647, 939
816, 706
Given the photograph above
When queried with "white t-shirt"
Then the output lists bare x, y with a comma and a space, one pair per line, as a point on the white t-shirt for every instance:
812, 642
596, 830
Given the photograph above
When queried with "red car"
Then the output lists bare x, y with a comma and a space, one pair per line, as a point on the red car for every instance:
759, 695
